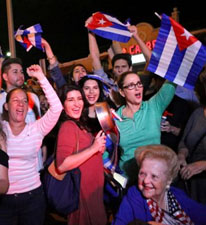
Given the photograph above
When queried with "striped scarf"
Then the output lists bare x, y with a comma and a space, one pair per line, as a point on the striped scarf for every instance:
175, 214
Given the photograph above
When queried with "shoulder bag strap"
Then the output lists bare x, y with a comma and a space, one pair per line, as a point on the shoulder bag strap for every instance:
52, 167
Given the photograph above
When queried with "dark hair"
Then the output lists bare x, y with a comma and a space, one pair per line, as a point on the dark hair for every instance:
120, 83
100, 85
5, 115
6, 66
125, 56
7, 62
121, 78
82, 122
70, 74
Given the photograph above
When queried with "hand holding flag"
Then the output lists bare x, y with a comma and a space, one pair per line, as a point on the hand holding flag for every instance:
178, 56
108, 27
29, 37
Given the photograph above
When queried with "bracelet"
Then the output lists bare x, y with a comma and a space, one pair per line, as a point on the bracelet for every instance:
4, 159
50, 58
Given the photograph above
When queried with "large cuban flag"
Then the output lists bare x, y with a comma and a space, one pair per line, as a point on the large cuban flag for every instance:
29, 37
177, 56
109, 27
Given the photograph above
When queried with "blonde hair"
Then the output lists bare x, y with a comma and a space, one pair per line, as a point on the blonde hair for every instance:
161, 152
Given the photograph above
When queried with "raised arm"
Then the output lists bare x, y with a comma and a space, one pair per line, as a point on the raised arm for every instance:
94, 51
93, 48
48, 121
145, 50
54, 69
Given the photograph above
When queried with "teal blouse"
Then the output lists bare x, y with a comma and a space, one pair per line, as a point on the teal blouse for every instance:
144, 127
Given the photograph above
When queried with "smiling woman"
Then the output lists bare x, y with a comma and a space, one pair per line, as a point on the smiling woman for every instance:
153, 199
25, 200
76, 147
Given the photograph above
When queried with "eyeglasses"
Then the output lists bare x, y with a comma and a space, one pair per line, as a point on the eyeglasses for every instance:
132, 86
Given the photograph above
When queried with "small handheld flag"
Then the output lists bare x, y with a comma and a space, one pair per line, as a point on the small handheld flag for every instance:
29, 37
109, 27
177, 56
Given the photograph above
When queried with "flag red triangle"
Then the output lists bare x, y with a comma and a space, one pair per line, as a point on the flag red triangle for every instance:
27, 42
184, 38
99, 20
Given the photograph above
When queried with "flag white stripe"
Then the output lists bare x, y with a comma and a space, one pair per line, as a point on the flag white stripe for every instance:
32, 30
167, 54
114, 30
187, 63
31, 38
113, 19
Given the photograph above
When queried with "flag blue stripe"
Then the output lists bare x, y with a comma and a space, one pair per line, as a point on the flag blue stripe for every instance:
175, 64
38, 41
38, 28
196, 68
111, 36
160, 43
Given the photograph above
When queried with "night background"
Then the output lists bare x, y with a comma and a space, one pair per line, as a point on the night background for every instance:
63, 21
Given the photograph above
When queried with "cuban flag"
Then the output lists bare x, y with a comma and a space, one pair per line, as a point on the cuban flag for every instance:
109, 27
177, 56
29, 37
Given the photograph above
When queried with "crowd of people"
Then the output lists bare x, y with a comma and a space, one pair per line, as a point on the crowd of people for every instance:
164, 162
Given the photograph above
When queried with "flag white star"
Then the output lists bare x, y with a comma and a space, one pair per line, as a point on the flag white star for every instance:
102, 21
186, 34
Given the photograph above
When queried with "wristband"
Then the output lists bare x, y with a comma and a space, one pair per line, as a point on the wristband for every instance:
4, 159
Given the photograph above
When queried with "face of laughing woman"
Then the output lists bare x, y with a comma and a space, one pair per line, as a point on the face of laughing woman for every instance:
153, 178
91, 91
132, 89
74, 104
17, 106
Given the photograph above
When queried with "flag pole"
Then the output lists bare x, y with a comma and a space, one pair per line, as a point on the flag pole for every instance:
158, 15
12, 46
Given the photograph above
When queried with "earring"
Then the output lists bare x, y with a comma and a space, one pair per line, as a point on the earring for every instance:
167, 187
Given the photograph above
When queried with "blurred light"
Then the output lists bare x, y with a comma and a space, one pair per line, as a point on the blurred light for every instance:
8, 54
139, 58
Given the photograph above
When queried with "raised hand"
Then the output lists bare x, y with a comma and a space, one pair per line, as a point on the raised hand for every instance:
36, 72
88, 21
133, 30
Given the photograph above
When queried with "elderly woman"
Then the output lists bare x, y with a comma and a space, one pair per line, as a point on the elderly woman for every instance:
140, 123
153, 199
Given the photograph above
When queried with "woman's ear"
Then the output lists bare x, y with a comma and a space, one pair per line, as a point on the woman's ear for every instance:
6, 106
122, 93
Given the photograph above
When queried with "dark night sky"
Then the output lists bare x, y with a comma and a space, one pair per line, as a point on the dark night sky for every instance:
62, 21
